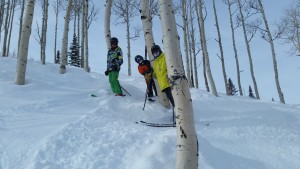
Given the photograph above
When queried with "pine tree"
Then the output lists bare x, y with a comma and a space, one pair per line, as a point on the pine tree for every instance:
57, 57
251, 95
231, 88
75, 59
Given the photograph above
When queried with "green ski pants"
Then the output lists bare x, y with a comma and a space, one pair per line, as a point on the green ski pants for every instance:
114, 82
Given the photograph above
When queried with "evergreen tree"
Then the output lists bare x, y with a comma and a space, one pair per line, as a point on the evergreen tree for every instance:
251, 95
57, 57
75, 59
231, 88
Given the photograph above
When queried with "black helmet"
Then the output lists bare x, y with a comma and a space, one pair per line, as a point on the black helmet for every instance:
137, 58
114, 39
155, 48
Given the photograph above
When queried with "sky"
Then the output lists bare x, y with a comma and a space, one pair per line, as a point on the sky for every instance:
53, 122
288, 65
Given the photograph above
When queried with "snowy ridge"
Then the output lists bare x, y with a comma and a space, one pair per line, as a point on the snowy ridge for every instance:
53, 122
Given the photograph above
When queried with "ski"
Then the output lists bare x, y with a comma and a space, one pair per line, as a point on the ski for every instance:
93, 95
157, 124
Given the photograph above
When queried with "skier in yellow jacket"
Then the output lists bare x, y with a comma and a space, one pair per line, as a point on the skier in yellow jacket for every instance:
161, 72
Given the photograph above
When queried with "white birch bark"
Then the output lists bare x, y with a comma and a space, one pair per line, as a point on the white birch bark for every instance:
204, 48
11, 25
83, 32
6, 25
230, 3
149, 40
86, 44
107, 22
280, 94
248, 49
57, 8
187, 60
24, 43
64, 47
193, 47
221, 48
44, 31
21, 23
203, 55
187, 155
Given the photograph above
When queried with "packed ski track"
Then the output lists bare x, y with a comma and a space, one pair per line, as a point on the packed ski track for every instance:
53, 122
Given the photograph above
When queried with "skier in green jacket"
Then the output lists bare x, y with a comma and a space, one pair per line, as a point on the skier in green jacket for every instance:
114, 62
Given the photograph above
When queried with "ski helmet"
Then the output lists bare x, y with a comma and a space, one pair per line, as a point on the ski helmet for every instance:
137, 58
114, 40
154, 49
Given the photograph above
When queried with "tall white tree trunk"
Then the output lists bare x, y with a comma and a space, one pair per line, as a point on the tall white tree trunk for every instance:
64, 47
57, 10
24, 44
149, 40
13, 7
86, 44
83, 32
44, 31
107, 22
6, 25
230, 3
185, 41
204, 48
21, 23
280, 94
221, 48
128, 44
248, 50
187, 155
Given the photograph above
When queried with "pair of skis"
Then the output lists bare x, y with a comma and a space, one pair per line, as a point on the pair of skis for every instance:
157, 124
165, 124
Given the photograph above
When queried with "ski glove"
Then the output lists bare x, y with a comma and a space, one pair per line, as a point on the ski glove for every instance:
106, 73
148, 76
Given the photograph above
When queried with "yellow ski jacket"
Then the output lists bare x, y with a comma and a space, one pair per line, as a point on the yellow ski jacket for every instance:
160, 71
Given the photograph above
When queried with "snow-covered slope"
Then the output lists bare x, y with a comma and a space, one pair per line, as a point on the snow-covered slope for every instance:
52, 122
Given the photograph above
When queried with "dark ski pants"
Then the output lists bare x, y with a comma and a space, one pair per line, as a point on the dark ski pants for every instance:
151, 87
169, 95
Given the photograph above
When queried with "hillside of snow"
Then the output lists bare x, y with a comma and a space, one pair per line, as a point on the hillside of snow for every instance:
52, 122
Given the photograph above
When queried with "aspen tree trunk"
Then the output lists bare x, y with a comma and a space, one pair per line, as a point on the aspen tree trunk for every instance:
221, 48
64, 47
149, 40
229, 3
280, 94
204, 48
55, 34
187, 155
187, 60
13, 7
24, 44
107, 22
44, 31
191, 83
248, 50
6, 24
1, 15
193, 46
203, 55
21, 23
128, 43
82, 31
86, 58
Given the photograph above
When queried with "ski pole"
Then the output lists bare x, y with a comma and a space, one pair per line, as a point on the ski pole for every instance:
125, 90
145, 98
